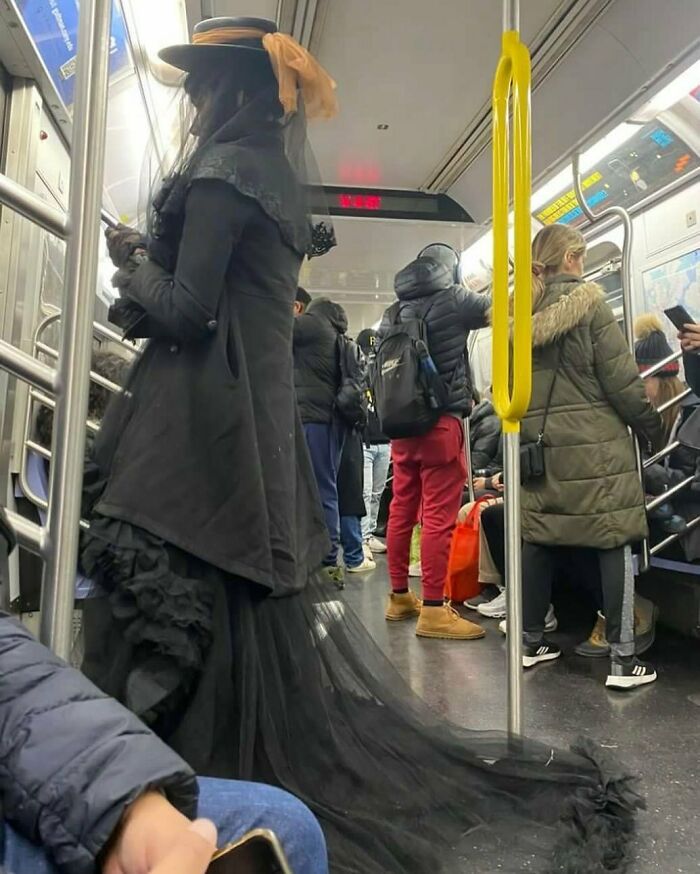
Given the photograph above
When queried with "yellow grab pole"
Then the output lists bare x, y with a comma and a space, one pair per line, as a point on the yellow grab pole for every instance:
512, 370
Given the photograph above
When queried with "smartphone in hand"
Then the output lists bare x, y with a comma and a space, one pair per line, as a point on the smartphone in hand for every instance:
679, 316
258, 852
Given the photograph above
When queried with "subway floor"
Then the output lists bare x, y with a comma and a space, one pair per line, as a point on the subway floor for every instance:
655, 730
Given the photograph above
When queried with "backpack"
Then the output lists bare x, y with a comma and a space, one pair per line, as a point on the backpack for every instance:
409, 393
351, 399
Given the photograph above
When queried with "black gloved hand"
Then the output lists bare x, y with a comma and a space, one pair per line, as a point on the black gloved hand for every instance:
122, 243
126, 314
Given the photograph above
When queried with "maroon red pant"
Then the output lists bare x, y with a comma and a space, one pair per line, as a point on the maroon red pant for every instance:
429, 476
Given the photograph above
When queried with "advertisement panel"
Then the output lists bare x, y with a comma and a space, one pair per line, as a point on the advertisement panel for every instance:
53, 26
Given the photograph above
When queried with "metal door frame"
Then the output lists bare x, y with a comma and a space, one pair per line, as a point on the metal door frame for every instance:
57, 542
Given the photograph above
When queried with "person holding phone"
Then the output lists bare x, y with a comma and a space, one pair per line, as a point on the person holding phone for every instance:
689, 335
84, 785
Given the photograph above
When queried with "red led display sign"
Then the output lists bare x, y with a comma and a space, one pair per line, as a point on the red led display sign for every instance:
368, 202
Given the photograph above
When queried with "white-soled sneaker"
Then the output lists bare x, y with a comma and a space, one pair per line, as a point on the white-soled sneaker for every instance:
377, 546
551, 623
541, 652
367, 550
629, 673
367, 565
495, 609
415, 570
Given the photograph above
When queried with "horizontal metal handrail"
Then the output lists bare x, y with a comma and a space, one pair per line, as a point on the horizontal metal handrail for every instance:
667, 450
51, 404
673, 401
29, 535
32, 207
98, 328
655, 368
38, 449
94, 376
672, 538
27, 368
661, 499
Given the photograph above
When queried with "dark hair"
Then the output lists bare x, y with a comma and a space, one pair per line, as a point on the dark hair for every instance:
303, 297
218, 91
107, 364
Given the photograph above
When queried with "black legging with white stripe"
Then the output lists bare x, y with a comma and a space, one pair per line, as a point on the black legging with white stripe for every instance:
617, 581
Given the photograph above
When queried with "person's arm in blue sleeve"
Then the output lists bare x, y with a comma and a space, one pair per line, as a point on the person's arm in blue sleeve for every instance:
73, 761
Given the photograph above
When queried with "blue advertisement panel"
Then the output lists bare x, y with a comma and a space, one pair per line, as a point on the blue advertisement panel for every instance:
53, 25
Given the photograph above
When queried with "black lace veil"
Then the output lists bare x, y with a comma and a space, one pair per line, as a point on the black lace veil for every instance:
232, 126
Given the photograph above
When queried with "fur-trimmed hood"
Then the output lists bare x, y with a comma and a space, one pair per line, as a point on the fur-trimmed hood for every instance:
566, 311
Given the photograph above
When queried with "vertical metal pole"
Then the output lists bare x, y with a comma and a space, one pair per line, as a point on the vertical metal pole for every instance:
87, 165
626, 276
511, 14
514, 603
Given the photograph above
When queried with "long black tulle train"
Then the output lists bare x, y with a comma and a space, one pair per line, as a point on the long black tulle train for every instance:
294, 692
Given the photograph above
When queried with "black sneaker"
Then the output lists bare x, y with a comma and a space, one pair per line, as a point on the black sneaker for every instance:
629, 673
541, 652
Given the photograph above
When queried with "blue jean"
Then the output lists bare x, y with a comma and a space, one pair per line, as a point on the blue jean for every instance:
377, 459
325, 444
235, 808
351, 538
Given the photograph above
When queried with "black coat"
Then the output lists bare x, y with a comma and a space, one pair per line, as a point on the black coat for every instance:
206, 449
691, 365
316, 362
351, 501
71, 759
425, 290
485, 440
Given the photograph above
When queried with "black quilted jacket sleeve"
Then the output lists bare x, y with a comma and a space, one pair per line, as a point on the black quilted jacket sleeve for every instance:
72, 759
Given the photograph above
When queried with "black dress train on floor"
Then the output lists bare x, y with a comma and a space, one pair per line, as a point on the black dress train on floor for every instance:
206, 530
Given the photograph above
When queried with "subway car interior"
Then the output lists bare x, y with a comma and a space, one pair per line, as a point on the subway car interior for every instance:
407, 162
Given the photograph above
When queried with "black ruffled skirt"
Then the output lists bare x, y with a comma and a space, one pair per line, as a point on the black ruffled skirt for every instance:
294, 692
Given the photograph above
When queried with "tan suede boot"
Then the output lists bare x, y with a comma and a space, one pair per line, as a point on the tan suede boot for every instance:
403, 606
446, 623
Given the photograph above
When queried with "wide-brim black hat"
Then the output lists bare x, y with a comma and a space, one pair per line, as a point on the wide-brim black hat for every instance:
227, 45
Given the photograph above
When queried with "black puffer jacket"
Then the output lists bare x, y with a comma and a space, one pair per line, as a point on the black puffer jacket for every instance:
485, 440
691, 365
316, 365
425, 290
72, 759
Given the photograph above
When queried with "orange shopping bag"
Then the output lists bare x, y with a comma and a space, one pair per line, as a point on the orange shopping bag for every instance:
463, 566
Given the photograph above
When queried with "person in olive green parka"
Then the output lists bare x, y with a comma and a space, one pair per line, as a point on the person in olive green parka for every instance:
590, 494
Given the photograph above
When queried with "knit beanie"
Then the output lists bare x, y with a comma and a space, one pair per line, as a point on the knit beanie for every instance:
652, 345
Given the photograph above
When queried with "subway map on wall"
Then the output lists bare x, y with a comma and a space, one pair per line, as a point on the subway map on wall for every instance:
675, 282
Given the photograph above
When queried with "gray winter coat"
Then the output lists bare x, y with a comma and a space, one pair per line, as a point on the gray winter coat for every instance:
72, 759
590, 494
425, 290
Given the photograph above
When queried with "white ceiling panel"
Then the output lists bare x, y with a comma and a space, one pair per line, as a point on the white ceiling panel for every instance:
422, 68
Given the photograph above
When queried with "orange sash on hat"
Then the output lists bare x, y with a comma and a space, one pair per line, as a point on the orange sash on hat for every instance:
295, 68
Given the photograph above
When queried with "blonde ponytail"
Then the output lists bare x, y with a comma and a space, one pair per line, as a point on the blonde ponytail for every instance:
549, 248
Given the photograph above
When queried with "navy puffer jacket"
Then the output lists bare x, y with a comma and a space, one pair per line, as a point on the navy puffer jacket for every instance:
72, 759
316, 362
425, 290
